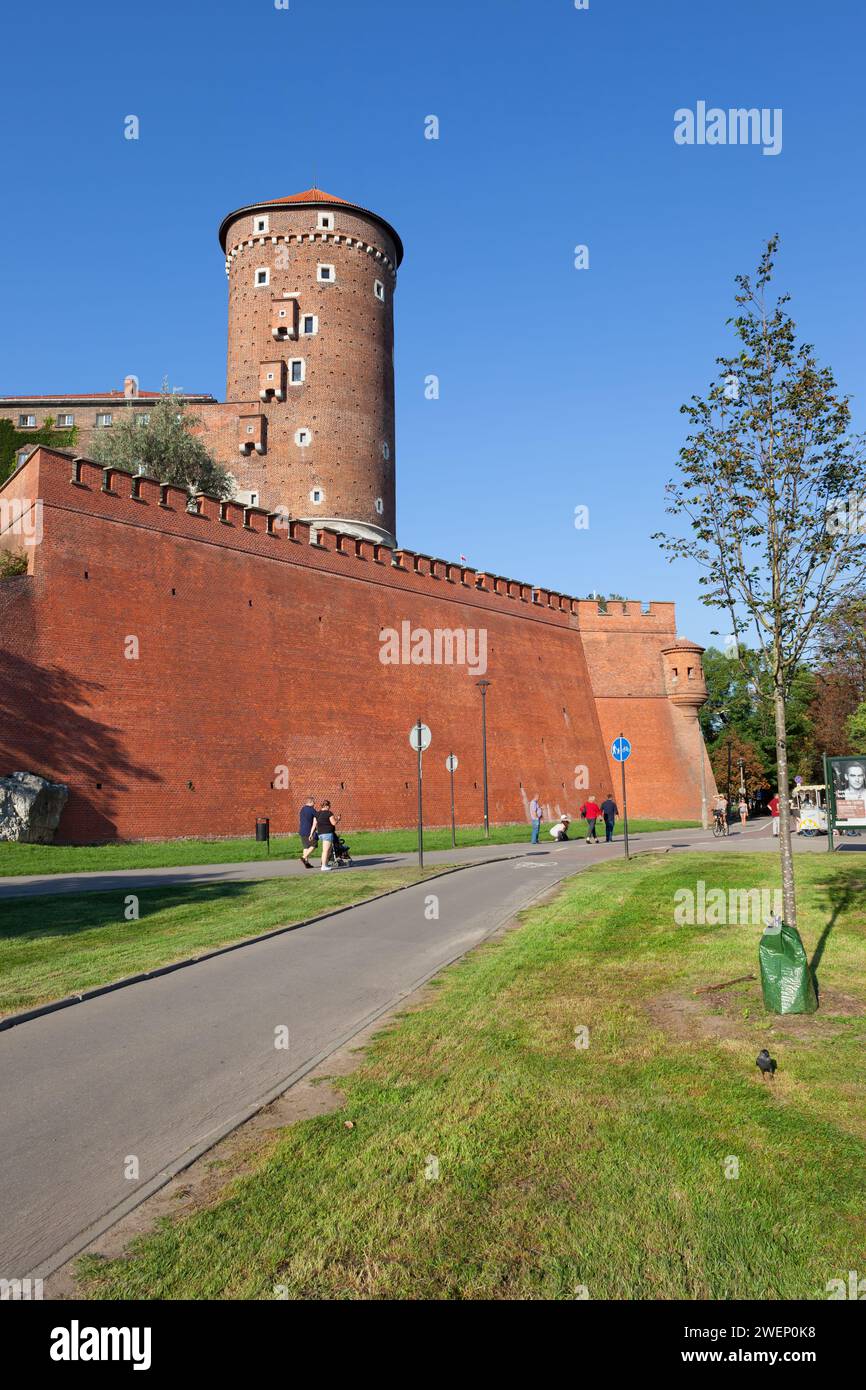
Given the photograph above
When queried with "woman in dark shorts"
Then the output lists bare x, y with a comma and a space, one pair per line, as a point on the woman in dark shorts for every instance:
326, 827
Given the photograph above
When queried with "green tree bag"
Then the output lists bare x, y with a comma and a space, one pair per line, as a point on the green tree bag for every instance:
785, 975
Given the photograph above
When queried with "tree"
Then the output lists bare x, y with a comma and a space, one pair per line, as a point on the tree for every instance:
726, 757
768, 458
164, 447
857, 729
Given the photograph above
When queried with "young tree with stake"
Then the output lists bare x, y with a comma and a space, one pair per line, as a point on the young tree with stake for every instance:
765, 478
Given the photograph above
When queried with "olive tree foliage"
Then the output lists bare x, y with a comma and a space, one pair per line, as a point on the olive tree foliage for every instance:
767, 477
163, 446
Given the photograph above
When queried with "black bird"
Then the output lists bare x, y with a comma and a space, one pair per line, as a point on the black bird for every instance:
766, 1063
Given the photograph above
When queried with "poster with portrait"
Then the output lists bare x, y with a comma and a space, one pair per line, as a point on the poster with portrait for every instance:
847, 791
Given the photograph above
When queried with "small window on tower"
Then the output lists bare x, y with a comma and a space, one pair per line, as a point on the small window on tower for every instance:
317, 495
296, 371
386, 451
263, 276
326, 274
379, 290
310, 325
260, 224
379, 505
326, 221
302, 438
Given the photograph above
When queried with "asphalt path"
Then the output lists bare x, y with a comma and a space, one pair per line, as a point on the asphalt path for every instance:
128, 880
103, 1102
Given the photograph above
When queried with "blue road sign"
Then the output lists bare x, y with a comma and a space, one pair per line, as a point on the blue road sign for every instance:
620, 749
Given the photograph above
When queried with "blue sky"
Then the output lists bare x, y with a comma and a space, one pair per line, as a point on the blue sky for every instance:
559, 388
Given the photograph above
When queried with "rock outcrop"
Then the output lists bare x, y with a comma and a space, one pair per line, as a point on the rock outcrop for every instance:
30, 808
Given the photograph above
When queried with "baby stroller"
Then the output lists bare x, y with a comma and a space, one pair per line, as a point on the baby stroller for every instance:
340, 855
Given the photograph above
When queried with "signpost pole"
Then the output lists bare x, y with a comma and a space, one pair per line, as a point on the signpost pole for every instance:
624, 808
453, 825
830, 800
420, 802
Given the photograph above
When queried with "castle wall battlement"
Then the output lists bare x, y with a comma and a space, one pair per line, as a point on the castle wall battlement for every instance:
67, 481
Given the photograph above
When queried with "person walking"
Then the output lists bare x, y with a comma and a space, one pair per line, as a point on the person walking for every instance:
326, 828
535, 814
590, 812
306, 824
773, 808
610, 811
744, 811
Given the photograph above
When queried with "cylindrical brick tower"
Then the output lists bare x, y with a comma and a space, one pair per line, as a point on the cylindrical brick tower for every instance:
311, 358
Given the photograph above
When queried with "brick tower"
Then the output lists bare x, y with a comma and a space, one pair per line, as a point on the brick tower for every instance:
311, 358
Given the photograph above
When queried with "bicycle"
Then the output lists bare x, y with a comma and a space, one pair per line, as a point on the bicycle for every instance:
720, 825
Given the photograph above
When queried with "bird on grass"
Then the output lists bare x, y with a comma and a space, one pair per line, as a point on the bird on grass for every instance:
766, 1064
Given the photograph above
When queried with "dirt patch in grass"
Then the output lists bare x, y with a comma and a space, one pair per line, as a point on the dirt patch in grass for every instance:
735, 1013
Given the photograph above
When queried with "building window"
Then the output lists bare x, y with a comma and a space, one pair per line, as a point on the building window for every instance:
325, 274
26, 422
263, 276
142, 420
296, 370
21, 456
260, 223
379, 290
103, 422
309, 324
303, 437
326, 221
254, 499
65, 422
317, 496
386, 451
379, 505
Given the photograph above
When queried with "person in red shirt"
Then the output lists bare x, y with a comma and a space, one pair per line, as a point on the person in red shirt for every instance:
590, 811
774, 812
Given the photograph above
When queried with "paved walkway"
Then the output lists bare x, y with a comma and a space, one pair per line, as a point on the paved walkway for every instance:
159, 1071
758, 835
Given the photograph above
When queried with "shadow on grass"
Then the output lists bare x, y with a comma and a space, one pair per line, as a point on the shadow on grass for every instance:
66, 914
841, 894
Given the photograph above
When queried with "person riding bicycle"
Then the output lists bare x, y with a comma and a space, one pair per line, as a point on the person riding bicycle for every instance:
720, 813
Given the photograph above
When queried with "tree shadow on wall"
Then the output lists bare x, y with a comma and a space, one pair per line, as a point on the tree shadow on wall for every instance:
43, 729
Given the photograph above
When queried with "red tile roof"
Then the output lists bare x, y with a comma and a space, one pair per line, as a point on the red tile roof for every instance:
312, 196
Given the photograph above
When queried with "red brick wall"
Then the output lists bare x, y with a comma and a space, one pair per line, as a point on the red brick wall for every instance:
623, 650
259, 651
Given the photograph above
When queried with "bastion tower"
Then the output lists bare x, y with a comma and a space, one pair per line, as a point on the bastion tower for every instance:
311, 359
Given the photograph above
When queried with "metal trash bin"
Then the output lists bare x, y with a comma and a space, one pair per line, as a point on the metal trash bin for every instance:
263, 830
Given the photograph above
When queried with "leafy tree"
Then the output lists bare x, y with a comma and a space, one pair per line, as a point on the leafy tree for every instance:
857, 729
726, 756
164, 447
768, 457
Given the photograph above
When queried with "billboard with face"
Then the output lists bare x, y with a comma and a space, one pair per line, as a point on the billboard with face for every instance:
847, 791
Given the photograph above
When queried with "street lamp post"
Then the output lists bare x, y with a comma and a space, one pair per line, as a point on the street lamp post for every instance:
484, 686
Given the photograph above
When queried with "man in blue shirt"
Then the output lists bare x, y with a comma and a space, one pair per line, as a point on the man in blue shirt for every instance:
535, 815
305, 830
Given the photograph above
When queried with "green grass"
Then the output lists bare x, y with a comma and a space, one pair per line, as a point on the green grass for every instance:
66, 859
562, 1167
54, 946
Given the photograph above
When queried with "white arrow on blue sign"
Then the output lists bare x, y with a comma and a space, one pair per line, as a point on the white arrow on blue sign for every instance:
620, 749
